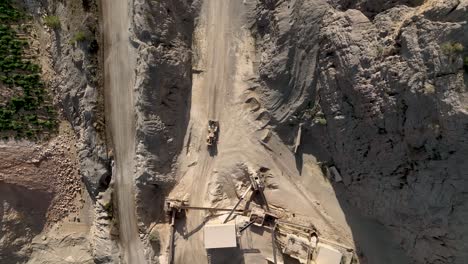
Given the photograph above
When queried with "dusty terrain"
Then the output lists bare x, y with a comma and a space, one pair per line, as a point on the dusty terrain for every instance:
48, 188
376, 89
223, 54
222, 91
39, 186
119, 85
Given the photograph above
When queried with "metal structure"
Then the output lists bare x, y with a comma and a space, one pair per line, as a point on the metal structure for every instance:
256, 186
174, 207
300, 242
296, 240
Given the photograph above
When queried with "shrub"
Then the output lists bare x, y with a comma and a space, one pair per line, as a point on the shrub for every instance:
154, 236
8, 13
457, 47
321, 121
19, 116
52, 22
452, 47
78, 37
109, 208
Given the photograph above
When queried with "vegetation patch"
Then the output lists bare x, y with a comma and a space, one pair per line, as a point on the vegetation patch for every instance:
25, 109
79, 37
52, 22
452, 47
320, 120
109, 207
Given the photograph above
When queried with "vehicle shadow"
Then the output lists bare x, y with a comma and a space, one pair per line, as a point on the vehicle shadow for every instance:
213, 150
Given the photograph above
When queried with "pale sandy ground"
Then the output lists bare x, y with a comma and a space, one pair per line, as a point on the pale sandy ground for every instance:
223, 51
119, 78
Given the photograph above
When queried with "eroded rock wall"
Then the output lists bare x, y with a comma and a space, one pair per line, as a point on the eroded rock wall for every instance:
396, 111
390, 86
163, 38
70, 55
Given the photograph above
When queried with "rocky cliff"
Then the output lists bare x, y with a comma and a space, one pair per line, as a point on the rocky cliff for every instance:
45, 216
162, 37
70, 52
75, 55
384, 85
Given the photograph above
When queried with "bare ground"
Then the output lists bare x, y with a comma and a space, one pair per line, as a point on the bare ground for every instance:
40, 192
48, 168
224, 50
119, 79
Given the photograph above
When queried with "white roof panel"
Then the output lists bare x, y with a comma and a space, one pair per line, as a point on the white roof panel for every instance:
328, 255
220, 236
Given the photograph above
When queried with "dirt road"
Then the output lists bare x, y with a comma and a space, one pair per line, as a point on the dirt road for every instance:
119, 61
223, 51
214, 40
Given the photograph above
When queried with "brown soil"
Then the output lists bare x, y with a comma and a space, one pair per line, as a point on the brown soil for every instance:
49, 168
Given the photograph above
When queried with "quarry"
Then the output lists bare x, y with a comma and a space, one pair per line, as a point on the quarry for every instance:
234, 131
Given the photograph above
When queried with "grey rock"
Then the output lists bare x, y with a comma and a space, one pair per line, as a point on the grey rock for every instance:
395, 105
77, 92
163, 36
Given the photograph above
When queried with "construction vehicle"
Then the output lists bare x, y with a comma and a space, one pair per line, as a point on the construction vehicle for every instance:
213, 128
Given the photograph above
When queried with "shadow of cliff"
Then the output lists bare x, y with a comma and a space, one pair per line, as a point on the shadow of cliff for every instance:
22, 216
374, 242
312, 144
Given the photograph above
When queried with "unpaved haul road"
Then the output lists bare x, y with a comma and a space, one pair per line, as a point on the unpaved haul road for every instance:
214, 42
118, 68
222, 51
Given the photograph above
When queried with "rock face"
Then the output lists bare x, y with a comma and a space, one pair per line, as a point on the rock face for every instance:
390, 85
163, 38
72, 68
70, 63
161, 33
